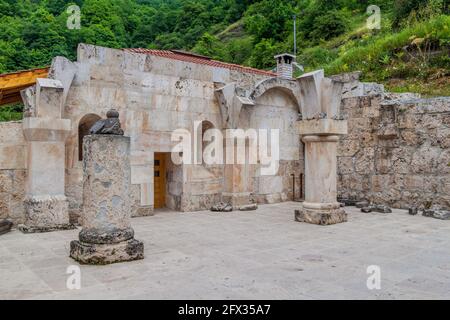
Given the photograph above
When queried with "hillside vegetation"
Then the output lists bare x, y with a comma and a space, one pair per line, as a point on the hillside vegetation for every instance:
409, 53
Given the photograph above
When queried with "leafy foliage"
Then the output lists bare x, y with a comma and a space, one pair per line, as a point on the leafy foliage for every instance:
330, 34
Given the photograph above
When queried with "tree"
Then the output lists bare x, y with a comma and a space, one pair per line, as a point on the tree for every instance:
210, 46
263, 54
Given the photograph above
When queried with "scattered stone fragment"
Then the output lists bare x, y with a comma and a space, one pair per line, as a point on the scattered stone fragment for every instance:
5, 226
442, 215
110, 125
348, 202
249, 207
428, 213
222, 207
413, 211
437, 214
342, 204
362, 204
366, 209
382, 209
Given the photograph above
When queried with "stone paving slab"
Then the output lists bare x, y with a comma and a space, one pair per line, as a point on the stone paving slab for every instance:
261, 254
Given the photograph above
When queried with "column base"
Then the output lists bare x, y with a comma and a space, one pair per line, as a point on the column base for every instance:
101, 254
236, 200
46, 214
143, 211
321, 217
41, 229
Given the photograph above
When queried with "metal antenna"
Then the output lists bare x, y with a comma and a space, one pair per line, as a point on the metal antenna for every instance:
295, 35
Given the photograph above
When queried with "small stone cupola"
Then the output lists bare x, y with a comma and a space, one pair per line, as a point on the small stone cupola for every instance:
285, 65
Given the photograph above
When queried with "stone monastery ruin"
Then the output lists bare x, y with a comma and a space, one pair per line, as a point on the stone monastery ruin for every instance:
339, 138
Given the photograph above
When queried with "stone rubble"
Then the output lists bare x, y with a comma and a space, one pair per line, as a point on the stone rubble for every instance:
437, 214
248, 207
5, 226
362, 204
222, 207
376, 208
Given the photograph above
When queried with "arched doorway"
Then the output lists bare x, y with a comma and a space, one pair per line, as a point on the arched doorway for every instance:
85, 124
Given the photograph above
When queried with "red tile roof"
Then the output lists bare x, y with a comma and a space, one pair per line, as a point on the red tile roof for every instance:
194, 58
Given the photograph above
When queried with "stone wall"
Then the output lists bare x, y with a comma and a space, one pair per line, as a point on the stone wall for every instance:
397, 151
154, 96
13, 152
276, 109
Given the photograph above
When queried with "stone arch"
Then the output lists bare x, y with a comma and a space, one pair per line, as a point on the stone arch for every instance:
288, 86
84, 125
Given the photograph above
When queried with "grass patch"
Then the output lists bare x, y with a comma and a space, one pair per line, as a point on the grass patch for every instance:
416, 58
11, 112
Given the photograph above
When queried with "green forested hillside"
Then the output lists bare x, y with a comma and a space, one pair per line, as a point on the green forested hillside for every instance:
409, 52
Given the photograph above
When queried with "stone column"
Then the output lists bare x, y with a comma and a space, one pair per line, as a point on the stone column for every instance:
231, 101
107, 236
46, 206
320, 205
320, 128
235, 189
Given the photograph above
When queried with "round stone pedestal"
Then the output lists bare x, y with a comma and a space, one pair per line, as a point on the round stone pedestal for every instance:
90, 253
321, 217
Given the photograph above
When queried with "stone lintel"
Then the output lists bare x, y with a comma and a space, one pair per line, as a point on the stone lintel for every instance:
46, 129
322, 127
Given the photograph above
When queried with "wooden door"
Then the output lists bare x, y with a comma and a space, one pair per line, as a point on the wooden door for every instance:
160, 180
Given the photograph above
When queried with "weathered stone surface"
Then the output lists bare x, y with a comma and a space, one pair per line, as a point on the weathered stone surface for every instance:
222, 207
382, 209
362, 204
347, 201
107, 236
89, 253
249, 207
110, 125
95, 236
106, 201
45, 214
5, 226
437, 214
322, 218
403, 171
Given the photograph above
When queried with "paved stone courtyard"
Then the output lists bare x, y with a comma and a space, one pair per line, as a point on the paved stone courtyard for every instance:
262, 254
